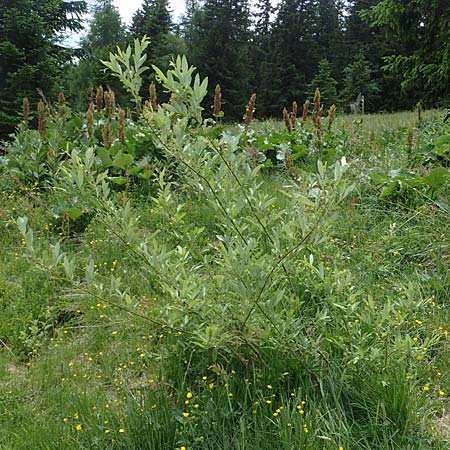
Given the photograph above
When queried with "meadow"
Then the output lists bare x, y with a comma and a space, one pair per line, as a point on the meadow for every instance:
171, 282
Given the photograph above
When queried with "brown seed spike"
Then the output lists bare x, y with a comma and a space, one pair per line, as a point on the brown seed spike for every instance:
107, 140
26, 109
153, 99
305, 112
99, 98
293, 115
121, 125
287, 120
90, 121
217, 101
41, 118
249, 110
331, 116
110, 103
317, 100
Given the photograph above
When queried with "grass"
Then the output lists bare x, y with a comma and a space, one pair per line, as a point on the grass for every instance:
345, 349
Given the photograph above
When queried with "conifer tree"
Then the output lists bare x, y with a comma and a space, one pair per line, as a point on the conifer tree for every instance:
31, 53
325, 82
106, 32
219, 47
153, 19
263, 58
358, 79
329, 34
422, 28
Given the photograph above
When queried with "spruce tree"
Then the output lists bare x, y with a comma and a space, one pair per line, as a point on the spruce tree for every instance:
219, 47
153, 19
31, 54
325, 82
422, 28
262, 55
329, 35
295, 52
373, 42
358, 79
106, 32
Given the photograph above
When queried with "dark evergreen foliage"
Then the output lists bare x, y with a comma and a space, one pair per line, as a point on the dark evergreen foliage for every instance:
219, 46
153, 19
395, 52
31, 51
106, 32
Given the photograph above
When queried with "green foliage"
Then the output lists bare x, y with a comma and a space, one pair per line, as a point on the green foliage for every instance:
324, 81
106, 32
219, 47
402, 184
423, 30
358, 79
214, 304
31, 56
153, 19
128, 66
185, 100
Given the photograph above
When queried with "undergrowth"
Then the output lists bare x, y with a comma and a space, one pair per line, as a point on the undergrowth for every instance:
197, 286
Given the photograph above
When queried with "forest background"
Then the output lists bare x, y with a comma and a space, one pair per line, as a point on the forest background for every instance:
395, 52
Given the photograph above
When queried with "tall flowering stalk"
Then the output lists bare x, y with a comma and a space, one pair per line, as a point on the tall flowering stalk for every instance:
305, 112
290, 119
217, 101
99, 98
331, 116
287, 120
121, 125
41, 112
294, 114
26, 109
153, 99
317, 111
107, 138
249, 111
110, 103
90, 121
61, 104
